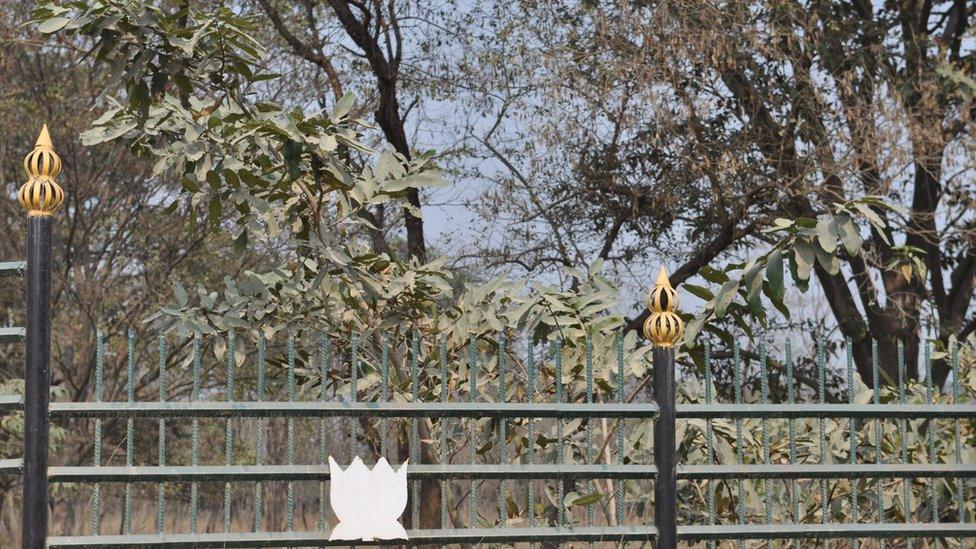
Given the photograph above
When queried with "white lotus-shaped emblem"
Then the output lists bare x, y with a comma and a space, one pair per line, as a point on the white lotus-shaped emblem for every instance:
368, 503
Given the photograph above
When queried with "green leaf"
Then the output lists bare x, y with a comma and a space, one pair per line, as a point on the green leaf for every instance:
849, 236
873, 217
714, 276
826, 236
293, 157
54, 24
752, 281
213, 210
829, 261
774, 274
588, 499
725, 297
179, 292
694, 328
806, 222
698, 291
240, 243
805, 256
343, 105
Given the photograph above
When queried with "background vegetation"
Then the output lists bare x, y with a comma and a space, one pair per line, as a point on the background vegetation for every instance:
263, 166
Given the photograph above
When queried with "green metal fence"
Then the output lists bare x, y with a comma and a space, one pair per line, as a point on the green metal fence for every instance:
824, 494
887, 465
459, 412
791, 474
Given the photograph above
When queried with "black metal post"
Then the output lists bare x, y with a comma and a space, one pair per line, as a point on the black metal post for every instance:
37, 381
666, 483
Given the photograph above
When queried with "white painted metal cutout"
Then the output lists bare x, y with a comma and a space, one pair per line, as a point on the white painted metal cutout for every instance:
368, 502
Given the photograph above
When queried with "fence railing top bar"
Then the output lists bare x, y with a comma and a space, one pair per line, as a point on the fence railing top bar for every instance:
253, 473
305, 539
12, 334
827, 470
11, 466
851, 530
313, 409
11, 403
13, 268
812, 410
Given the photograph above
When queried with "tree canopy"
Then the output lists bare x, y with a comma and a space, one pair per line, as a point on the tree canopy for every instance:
738, 140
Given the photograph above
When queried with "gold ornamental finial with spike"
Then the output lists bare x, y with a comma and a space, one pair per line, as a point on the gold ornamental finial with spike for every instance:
664, 327
42, 195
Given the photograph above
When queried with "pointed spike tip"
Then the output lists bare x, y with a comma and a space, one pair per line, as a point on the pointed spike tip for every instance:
44, 138
663, 279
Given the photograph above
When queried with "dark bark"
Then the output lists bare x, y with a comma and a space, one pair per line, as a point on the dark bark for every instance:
385, 66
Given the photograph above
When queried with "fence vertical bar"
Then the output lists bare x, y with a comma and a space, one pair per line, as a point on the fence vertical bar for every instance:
290, 425
96, 516
560, 443
822, 430
664, 328
130, 429
739, 450
665, 485
415, 429
709, 445
903, 435
854, 439
354, 390
930, 431
791, 399
384, 392
41, 196
502, 450
473, 440
229, 424
444, 486
960, 481
161, 442
530, 397
589, 426
767, 457
621, 381
878, 430
259, 438
323, 445
195, 436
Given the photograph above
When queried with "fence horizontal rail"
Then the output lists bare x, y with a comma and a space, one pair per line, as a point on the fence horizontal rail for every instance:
522, 535
171, 409
11, 466
190, 409
828, 471
13, 268
834, 411
251, 473
306, 539
11, 403
827, 531
12, 335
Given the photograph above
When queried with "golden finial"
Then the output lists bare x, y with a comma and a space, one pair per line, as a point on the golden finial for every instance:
42, 195
664, 327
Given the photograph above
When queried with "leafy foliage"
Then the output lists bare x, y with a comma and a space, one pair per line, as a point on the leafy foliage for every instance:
188, 94
802, 244
829, 441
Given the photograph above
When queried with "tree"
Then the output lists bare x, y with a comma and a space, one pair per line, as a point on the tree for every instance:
375, 31
190, 93
690, 128
116, 245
